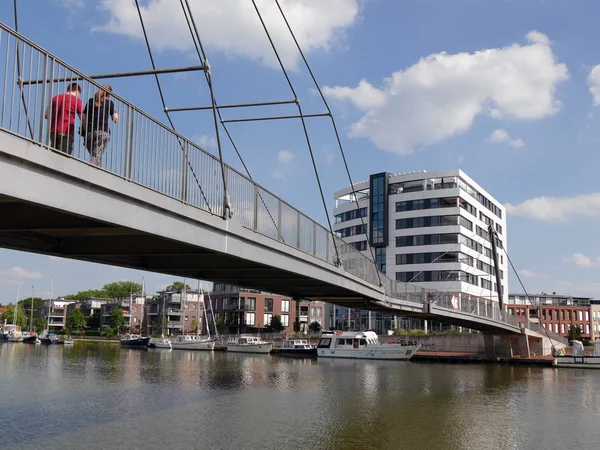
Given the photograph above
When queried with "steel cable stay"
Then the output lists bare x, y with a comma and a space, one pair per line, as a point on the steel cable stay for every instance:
529, 299
162, 98
337, 135
308, 141
202, 57
227, 212
19, 76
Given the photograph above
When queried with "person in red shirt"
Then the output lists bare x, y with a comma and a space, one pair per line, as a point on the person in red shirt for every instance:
61, 113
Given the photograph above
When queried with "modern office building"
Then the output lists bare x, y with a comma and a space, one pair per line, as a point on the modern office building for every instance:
429, 229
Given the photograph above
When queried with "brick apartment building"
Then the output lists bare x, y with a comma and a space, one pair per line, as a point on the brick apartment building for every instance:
249, 311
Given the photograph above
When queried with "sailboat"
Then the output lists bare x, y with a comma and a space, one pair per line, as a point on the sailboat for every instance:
33, 337
49, 338
15, 334
197, 342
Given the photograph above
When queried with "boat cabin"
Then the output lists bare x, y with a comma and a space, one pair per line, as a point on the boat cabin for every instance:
245, 340
296, 343
348, 339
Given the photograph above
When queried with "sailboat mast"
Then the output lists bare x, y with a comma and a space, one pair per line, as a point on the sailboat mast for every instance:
204, 309
212, 312
17, 304
32, 295
50, 304
198, 309
143, 305
183, 314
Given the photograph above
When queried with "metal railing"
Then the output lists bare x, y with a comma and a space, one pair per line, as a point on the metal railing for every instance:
142, 150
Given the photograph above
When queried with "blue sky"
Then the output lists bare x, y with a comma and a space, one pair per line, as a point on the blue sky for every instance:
503, 89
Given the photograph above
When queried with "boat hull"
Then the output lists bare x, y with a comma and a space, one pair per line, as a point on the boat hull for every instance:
15, 339
577, 362
250, 348
30, 339
400, 353
296, 352
202, 345
140, 342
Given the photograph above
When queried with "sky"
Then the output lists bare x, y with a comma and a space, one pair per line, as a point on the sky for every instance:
506, 90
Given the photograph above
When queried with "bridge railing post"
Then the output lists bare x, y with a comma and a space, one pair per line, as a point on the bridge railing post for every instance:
45, 102
184, 175
129, 150
255, 207
279, 208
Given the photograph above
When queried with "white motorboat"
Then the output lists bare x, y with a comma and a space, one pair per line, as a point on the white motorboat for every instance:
15, 335
578, 359
160, 343
187, 342
362, 345
248, 344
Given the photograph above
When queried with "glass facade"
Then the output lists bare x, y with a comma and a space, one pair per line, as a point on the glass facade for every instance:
378, 207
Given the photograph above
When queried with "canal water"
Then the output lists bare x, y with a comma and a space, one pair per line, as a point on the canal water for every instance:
99, 396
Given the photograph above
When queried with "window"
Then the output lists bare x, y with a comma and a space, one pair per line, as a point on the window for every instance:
268, 305
285, 320
267, 319
319, 311
251, 304
285, 306
250, 318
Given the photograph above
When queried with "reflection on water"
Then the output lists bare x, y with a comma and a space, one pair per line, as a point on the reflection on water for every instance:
98, 396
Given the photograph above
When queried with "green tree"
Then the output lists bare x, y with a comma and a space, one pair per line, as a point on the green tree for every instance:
275, 326
37, 309
76, 321
83, 295
194, 324
121, 289
117, 320
297, 326
314, 327
109, 332
177, 286
574, 333
220, 325
93, 321
9, 312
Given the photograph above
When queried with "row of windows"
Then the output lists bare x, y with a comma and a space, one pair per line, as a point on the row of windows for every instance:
428, 203
486, 235
437, 275
427, 239
351, 231
350, 215
488, 204
361, 246
430, 257
434, 221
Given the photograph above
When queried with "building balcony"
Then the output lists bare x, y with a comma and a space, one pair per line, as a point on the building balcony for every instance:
174, 324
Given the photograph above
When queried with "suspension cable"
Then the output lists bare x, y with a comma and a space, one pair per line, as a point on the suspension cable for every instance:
337, 135
527, 297
308, 142
162, 99
227, 213
20, 78
202, 58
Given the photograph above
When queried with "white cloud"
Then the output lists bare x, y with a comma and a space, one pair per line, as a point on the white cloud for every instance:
557, 208
206, 142
285, 156
581, 260
329, 159
278, 174
460, 159
594, 84
525, 273
501, 136
233, 27
18, 273
441, 95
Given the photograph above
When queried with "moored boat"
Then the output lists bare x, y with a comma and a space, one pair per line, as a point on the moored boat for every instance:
188, 342
49, 338
31, 339
362, 345
297, 348
160, 343
134, 340
578, 359
248, 344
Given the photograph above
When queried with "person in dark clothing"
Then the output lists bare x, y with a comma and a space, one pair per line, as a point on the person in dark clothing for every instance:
61, 114
98, 111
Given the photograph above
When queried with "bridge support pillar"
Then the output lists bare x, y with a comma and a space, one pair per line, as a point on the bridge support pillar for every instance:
490, 345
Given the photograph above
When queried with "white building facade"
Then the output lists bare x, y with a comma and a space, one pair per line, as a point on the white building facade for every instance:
429, 229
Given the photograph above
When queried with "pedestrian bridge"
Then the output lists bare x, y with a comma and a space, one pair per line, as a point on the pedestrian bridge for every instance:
161, 203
